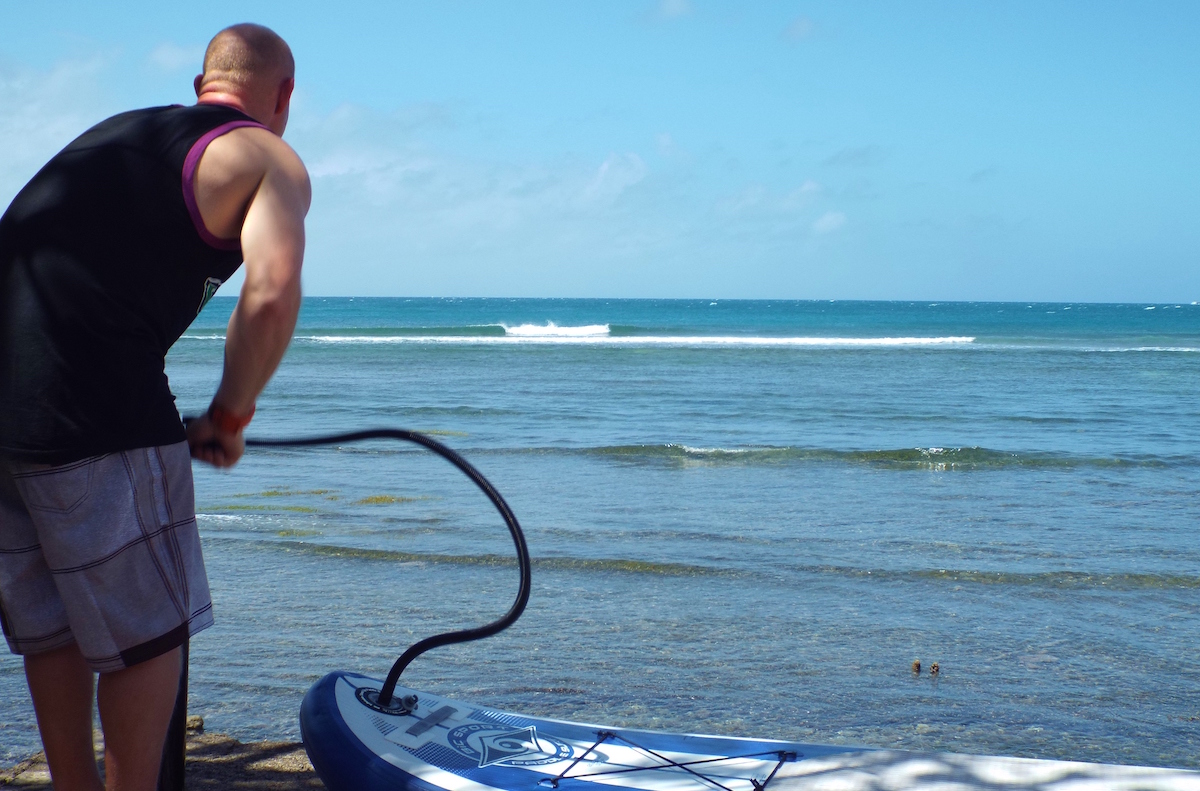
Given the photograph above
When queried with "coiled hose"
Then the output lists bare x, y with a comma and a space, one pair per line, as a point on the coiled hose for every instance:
514, 529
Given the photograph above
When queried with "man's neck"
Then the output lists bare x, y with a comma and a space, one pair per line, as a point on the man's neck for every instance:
226, 99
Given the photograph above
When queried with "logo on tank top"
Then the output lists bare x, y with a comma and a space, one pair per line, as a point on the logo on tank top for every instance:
210, 287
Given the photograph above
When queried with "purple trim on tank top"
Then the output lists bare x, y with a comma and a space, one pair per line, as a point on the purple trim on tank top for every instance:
189, 188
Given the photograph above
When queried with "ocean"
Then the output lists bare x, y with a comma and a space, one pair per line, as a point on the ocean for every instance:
745, 517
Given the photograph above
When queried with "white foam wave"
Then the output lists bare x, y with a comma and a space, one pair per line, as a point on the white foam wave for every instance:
709, 451
1147, 349
552, 330
641, 340
704, 340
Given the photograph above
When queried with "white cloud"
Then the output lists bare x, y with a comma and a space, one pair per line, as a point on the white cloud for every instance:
806, 190
673, 9
829, 222
386, 177
756, 200
401, 207
169, 56
390, 160
615, 175
749, 199
42, 111
799, 28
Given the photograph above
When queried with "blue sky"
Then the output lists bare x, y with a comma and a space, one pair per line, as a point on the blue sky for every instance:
683, 148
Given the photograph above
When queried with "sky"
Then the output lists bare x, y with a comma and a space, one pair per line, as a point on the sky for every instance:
686, 148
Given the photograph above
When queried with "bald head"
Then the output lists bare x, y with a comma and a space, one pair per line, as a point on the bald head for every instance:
251, 67
244, 54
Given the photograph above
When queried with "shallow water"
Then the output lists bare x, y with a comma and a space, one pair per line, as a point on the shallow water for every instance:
746, 518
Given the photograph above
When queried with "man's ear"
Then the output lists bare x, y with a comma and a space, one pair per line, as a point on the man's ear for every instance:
285, 94
196, 84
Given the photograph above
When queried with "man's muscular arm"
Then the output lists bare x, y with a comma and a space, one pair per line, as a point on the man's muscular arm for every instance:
249, 183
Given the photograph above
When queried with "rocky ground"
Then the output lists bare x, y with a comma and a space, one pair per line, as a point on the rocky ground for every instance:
214, 761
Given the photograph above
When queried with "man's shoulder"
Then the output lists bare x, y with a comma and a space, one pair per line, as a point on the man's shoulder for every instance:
233, 169
259, 149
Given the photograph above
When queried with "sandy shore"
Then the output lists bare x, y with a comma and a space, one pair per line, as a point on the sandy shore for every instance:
214, 761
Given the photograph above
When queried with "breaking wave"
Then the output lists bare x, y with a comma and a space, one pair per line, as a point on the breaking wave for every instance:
932, 458
591, 335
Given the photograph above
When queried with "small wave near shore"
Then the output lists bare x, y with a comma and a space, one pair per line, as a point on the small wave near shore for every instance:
931, 458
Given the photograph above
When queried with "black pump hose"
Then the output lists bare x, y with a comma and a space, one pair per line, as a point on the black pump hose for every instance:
514, 528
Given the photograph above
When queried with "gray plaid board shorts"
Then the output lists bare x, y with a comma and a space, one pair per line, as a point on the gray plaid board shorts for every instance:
103, 552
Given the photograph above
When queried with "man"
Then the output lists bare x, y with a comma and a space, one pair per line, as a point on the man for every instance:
106, 257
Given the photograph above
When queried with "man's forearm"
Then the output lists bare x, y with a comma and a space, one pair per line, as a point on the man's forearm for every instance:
259, 332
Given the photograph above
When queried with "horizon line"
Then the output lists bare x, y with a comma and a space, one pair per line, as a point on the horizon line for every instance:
929, 302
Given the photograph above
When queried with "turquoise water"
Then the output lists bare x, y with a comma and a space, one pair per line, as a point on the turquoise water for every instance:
746, 518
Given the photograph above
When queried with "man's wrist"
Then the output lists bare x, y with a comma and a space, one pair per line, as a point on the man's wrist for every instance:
226, 421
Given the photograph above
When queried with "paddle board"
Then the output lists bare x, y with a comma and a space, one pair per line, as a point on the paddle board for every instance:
448, 745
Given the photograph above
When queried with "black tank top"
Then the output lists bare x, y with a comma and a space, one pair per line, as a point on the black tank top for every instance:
104, 262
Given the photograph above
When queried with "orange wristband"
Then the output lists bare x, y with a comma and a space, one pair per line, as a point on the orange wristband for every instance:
225, 421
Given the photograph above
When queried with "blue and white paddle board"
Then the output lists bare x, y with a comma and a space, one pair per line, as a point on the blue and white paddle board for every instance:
448, 745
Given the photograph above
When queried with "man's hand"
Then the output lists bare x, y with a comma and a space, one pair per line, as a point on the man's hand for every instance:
213, 446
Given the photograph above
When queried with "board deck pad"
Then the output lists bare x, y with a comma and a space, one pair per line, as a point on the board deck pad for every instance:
453, 746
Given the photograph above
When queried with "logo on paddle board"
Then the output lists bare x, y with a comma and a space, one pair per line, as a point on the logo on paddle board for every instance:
496, 744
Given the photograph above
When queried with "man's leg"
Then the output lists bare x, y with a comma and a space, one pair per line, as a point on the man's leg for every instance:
135, 709
119, 533
60, 682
